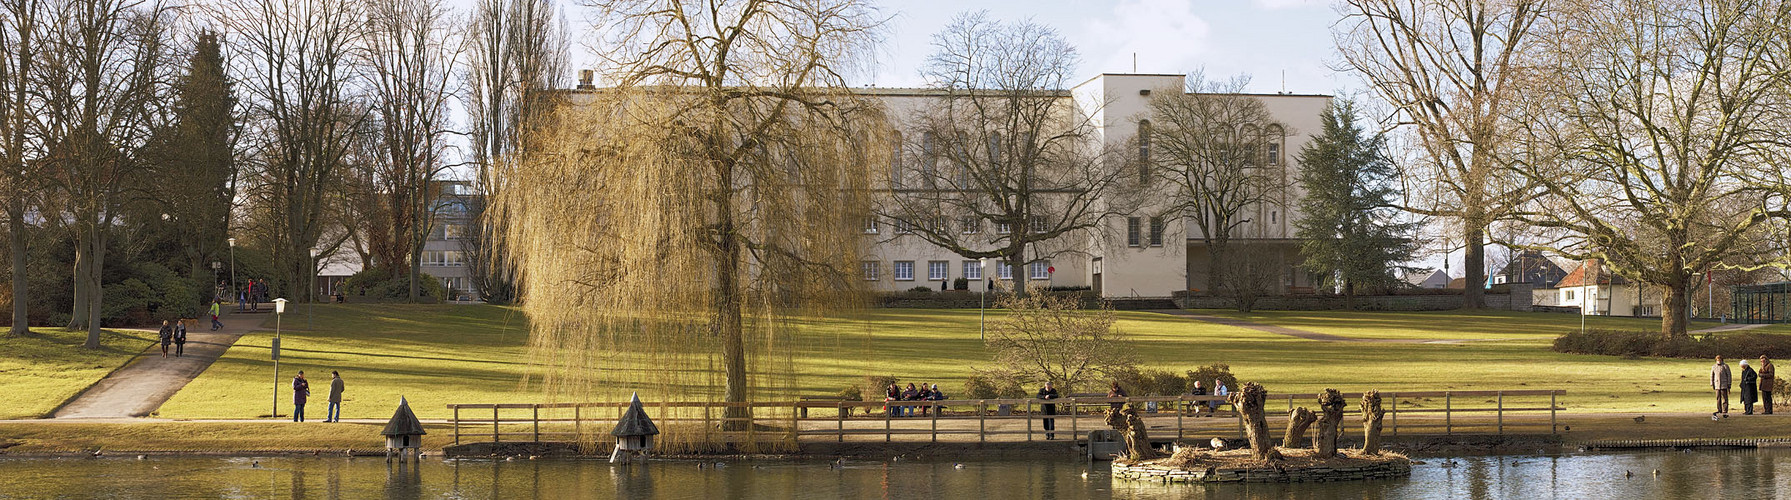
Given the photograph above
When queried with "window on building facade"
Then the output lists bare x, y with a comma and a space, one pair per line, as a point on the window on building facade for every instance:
870, 268
995, 152
453, 231
1037, 224
870, 225
1144, 131
1039, 270
1002, 227
904, 270
929, 162
1132, 229
1569, 294
444, 258
1156, 231
968, 224
1274, 153
973, 270
938, 270
903, 226
1004, 271
895, 161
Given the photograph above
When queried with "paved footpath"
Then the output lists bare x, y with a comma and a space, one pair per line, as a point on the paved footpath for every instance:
1297, 333
150, 379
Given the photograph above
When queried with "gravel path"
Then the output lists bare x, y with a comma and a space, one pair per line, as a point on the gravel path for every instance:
1297, 333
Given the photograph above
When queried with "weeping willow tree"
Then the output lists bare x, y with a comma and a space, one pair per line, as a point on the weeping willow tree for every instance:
667, 227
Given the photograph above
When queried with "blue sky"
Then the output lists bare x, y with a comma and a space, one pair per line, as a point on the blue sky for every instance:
1260, 38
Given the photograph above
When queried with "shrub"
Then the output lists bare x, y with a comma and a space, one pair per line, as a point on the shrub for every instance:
852, 393
1207, 374
979, 386
382, 285
1632, 344
875, 386
960, 284
923, 290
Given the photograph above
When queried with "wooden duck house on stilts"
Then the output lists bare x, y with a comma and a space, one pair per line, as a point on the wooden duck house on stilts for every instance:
404, 433
634, 432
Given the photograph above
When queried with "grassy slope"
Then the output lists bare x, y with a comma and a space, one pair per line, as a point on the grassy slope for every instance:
441, 354
40, 371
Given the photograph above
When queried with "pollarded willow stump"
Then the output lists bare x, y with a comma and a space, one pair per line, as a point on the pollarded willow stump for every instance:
1249, 401
1125, 419
1297, 422
1371, 422
1330, 423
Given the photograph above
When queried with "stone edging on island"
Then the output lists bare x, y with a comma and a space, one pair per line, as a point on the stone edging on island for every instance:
1148, 472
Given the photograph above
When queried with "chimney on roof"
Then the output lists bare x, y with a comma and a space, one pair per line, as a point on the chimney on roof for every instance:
584, 79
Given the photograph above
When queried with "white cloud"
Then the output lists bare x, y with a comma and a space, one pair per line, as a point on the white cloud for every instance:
1166, 36
1287, 4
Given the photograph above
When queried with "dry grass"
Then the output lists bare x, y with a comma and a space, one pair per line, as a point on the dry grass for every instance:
1300, 458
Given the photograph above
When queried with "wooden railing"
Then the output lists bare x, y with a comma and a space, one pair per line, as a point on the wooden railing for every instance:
1413, 412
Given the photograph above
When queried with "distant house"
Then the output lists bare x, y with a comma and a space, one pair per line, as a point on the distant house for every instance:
1591, 287
1432, 279
1530, 267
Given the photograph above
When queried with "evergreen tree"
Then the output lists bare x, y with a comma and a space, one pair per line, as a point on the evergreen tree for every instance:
1351, 232
195, 160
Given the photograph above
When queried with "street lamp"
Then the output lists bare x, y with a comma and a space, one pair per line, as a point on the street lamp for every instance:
279, 308
311, 292
232, 291
982, 302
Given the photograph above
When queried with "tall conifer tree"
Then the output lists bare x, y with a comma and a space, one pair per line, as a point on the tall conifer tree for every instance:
1351, 233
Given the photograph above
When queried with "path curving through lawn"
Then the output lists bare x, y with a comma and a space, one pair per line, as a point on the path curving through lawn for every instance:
1297, 333
146, 382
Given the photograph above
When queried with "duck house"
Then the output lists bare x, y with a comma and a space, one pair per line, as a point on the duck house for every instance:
634, 432
404, 433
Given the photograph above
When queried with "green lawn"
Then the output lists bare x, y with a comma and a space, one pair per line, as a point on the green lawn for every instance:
38, 372
441, 354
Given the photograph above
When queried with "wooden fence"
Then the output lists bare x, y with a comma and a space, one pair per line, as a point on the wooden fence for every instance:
984, 420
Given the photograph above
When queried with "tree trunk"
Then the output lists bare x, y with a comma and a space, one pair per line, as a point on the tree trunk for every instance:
1672, 310
21, 321
1371, 422
1297, 422
77, 319
1474, 265
1330, 404
1131, 427
96, 293
1017, 263
1249, 401
1349, 296
733, 339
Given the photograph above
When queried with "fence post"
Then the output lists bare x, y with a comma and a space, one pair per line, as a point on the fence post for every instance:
1551, 412
1073, 432
1178, 416
1028, 420
496, 437
578, 423
1501, 413
1395, 413
456, 424
935, 412
841, 437
537, 411
1448, 413
887, 410
982, 420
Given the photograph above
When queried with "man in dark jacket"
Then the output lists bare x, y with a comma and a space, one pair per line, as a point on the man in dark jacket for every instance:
165, 336
1749, 382
1048, 393
180, 339
301, 390
1768, 382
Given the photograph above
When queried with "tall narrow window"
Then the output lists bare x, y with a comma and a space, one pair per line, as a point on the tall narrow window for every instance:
1132, 229
1156, 231
960, 178
1144, 150
929, 162
1274, 153
895, 161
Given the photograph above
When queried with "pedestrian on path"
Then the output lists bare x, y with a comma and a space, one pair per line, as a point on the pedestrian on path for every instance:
1766, 385
1720, 381
301, 390
180, 339
216, 325
334, 414
1749, 382
1049, 393
165, 336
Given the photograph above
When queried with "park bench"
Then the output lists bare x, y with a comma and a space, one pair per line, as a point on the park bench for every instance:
804, 409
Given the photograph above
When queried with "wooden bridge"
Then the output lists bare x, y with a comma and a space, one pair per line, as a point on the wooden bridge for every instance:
992, 420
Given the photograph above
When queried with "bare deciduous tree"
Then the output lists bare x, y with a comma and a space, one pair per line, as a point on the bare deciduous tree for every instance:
1449, 68
1650, 125
712, 191
1002, 166
21, 29
1051, 338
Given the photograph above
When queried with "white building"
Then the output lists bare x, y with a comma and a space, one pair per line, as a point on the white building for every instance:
1597, 291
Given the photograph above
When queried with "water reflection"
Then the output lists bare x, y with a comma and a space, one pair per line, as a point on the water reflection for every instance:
1703, 474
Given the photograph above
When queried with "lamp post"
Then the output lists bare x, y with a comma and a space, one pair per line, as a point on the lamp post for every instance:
982, 302
279, 309
311, 290
232, 291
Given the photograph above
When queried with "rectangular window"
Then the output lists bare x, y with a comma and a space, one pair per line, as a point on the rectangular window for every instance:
903, 227
969, 225
1132, 237
870, 269
1003, 227
973, 270
1004, 271
453, 231
1156, 231
938, 270
939, 225
904, 270
453, 258
1274, 154
1039, 270
1037, 224
870, 225
1569, 294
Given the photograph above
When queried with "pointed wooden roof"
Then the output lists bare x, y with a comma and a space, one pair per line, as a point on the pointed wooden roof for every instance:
404, 422
635, 421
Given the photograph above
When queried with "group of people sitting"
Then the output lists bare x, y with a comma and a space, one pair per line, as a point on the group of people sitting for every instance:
923, 393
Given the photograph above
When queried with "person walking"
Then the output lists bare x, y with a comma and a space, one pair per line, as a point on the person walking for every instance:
334, 413
1720, 381
1049, 393
1749, 382
165, 336
1766, 385
180, 339
216, 305
301, 390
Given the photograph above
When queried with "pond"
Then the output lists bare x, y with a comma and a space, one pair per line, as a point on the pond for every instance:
1697, 474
